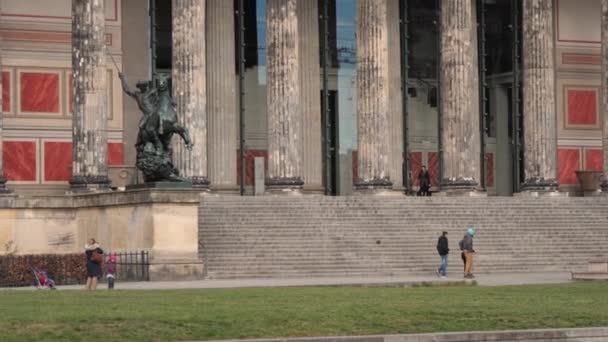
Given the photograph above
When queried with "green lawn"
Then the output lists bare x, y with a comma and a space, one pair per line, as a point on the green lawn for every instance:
250, 313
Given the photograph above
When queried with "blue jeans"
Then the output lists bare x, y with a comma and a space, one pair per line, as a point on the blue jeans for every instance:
443, 268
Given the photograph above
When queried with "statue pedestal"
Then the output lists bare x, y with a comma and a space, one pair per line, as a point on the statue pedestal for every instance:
160, 185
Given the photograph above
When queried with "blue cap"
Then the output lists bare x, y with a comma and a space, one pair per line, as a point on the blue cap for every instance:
471, 231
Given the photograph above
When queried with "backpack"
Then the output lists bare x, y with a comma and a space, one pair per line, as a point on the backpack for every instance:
461, 244
96, 257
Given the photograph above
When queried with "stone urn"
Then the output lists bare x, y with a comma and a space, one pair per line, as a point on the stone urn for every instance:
590, 180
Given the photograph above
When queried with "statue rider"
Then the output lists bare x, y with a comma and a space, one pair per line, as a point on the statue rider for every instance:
147, 101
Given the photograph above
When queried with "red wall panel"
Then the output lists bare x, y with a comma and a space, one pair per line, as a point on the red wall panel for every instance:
57, 161
582, 107
594, 160
489, 169
415, 166
433, 167
115, 154
39, 92
568, 161
19, 160
6, 91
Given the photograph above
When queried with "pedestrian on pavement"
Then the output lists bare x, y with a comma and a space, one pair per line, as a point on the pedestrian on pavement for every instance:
94, 255
443, 250
466, 246
111, 270
424, 179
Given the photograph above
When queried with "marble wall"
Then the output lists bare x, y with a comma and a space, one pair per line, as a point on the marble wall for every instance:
37, 92
578, 96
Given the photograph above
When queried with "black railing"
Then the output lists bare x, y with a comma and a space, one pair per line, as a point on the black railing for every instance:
132, 266
68, 269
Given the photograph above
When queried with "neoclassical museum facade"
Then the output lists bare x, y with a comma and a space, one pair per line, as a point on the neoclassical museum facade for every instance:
336, 96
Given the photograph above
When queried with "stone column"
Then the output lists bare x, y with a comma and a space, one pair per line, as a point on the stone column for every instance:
3, 188
604, 111
459, 97
221, 94
189, 87
310, 87
373, 96
89, 90
395, 98
540, 134
283, 97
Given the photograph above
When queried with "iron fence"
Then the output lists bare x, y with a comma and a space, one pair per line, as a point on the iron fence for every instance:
69, 269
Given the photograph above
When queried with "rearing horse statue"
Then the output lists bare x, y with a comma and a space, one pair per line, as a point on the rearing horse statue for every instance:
156, 130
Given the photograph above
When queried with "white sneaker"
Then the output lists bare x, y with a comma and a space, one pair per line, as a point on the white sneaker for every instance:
444, 277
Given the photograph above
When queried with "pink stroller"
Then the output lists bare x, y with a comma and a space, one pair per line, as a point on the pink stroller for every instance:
43, 280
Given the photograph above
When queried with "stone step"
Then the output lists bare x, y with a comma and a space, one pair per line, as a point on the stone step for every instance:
328, 236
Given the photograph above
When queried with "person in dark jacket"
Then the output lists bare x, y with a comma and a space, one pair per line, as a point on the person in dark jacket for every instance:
424, 179
443, 250
93, 267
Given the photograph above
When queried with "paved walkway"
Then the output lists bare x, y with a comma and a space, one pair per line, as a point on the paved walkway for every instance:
401, 281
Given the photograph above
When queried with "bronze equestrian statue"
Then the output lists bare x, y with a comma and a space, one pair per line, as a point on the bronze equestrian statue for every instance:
156, 128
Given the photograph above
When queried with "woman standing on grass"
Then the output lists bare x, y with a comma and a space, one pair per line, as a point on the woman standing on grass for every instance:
94, 259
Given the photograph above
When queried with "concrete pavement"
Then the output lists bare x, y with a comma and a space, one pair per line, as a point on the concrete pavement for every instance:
498, 279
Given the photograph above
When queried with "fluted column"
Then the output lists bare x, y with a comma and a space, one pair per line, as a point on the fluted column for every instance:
189, 87
395, 98
540, 135
459, 97
221, 94
373, 96
604, 111
283, 96
3, 188
89, 90
310, 87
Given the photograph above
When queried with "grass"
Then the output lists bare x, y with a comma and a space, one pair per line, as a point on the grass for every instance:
254, 313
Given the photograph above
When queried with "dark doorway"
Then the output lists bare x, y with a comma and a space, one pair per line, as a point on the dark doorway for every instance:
500, 46
331, 141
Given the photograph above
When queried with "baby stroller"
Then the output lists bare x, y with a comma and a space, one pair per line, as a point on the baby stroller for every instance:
43, 279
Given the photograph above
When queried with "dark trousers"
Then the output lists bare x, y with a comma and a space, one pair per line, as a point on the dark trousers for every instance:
424, 190
110, 283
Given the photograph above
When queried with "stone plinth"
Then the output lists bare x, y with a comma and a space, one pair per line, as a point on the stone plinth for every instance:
163, 222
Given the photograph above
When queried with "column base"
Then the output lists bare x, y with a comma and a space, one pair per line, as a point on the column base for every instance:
199, 182
604, 186
284, 186
89, 183
374, 186
540, 185
3, 189
225, 189
459, 185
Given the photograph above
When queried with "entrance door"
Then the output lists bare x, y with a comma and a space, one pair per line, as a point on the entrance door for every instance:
500, 75
331, 145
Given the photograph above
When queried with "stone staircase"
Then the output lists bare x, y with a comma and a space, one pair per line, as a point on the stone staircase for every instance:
315, 236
